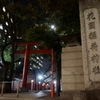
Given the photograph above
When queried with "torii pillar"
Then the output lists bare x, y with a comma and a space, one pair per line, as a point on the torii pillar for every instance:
52, 84
26, 64
27, 53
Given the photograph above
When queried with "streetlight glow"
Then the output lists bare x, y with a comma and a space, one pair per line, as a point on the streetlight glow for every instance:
52, 26
32, 80
54, 82
39, 82
40, 77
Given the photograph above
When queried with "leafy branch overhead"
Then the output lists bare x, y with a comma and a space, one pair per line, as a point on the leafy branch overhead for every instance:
31, 21
40, 33
64, 13
23, 11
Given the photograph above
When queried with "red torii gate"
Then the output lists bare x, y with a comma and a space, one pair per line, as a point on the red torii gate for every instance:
27, 53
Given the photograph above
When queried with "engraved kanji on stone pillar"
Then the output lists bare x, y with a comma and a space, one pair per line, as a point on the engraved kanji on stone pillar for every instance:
92, 28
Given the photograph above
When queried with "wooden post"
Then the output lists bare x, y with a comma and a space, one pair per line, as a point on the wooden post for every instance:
18, 88
3, 83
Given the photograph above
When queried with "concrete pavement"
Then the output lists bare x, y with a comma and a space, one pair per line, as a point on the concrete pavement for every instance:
30, 95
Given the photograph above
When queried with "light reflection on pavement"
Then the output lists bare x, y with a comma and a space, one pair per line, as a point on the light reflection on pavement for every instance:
41, 94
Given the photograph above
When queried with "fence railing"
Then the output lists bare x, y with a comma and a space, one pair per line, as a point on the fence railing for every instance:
3, 86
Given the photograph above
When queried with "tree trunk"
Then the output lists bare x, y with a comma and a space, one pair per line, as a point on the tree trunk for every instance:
58, 70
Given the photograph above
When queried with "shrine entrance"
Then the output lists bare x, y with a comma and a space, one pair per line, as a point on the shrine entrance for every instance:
27, 53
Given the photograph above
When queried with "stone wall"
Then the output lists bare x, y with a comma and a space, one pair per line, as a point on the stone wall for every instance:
72, 69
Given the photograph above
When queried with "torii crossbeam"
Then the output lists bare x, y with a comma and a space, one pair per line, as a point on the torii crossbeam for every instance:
27, 53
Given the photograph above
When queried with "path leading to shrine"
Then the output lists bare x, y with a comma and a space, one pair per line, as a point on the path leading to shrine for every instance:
31, 95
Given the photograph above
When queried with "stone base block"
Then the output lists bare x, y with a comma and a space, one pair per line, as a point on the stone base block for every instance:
81, 95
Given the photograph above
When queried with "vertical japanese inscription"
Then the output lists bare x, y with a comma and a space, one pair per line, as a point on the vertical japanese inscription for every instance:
90, 16
92, 27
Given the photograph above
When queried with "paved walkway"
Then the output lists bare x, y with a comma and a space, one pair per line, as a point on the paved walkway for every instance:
31, 95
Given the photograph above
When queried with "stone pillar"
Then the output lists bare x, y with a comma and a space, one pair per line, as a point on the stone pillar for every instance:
90, 34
